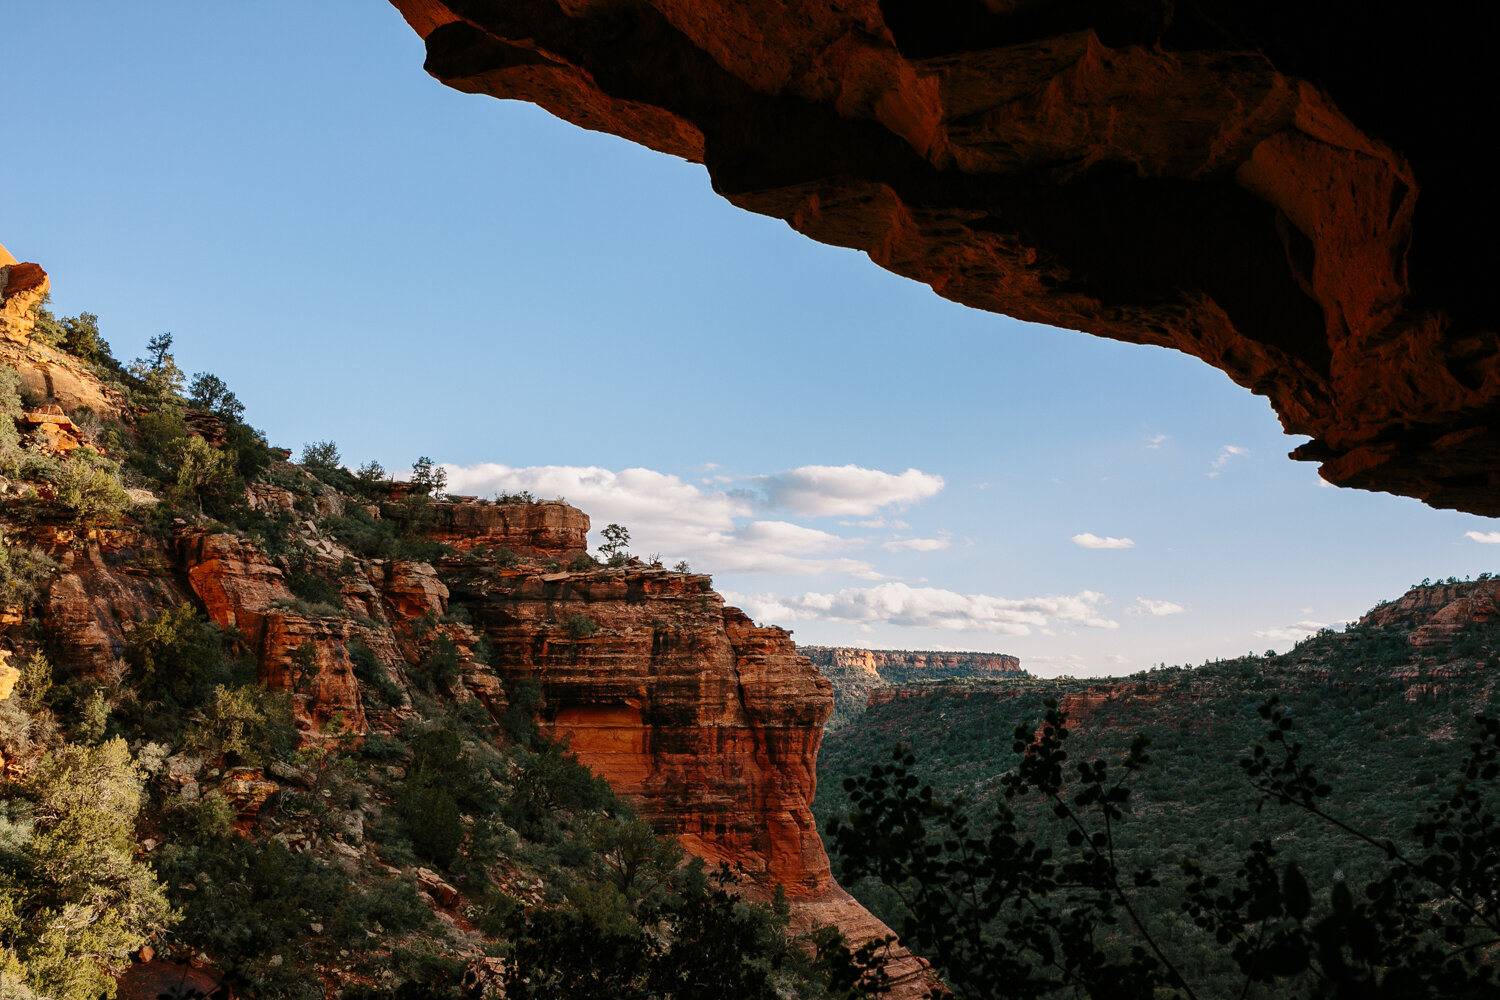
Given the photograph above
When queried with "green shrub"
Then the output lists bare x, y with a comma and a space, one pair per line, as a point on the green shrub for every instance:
440, 668
524, 695
369, 670
314, 589
180, 656
207, 391
382, 748
580, 626
79, 903
201, 472
35, 681
520, 496
22, 570
89, 488
320, 456
11, 408
232, 728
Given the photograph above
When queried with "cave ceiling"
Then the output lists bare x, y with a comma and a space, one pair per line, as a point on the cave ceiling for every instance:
1292, 192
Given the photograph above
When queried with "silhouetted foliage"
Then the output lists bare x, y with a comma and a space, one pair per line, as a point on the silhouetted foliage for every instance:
1003, 911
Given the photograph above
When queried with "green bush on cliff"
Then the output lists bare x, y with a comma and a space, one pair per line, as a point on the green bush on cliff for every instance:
22, 570
76, 335
241, 725
89, 488
11, 409
74, 902
179, 656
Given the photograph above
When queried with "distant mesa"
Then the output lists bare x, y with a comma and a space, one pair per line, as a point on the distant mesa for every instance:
855, 673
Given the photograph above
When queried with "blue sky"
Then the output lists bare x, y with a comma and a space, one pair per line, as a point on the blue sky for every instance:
369, 257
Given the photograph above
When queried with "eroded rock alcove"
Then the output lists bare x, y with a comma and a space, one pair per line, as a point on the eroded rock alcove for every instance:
1289, 194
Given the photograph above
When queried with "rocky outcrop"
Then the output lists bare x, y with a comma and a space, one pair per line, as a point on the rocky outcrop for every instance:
22, 289
546, 529
9, 675
710, 723
52, 431
47, 376
1439, 614
302, 652
108, 583
1254, 185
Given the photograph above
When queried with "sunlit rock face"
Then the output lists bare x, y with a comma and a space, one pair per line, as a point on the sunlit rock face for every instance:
1440, 614
1286, 193
47, 375
547, 529
708, 722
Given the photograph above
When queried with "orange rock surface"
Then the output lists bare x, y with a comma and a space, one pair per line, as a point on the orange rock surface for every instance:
46, 374
710, 723
548, 529
1441, 613
1286, 192
22, 288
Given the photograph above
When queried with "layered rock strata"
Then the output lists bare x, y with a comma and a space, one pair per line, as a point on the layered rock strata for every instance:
905, 664
547, 529
1283, 192
1434, 615
710, 723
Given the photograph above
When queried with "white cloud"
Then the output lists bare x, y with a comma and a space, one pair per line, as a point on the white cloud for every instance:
900, 604
1484, 537
1089, 540
1155, 441
918, 544
711, 526
817, 490
895, 524
1146, 606
1292, 633
1225, 454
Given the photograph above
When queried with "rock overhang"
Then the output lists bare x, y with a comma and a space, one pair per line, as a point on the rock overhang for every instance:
1283, 193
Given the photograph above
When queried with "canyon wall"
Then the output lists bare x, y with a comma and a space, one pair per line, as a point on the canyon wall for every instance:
1287, 193
708, 722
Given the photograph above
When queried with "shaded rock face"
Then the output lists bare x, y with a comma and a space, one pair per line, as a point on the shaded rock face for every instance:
1280, 191
106, 586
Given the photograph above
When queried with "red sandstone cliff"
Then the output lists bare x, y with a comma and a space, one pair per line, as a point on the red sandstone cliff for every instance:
710, 723
1440, 613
